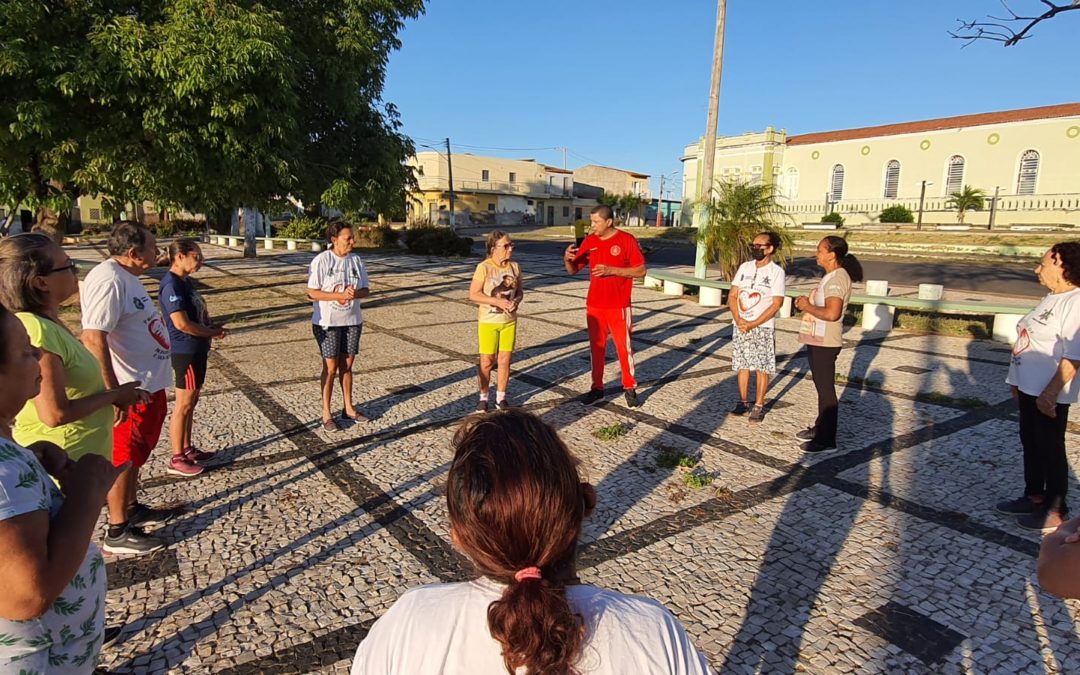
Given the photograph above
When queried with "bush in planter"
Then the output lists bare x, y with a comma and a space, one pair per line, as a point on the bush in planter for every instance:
382, 236
437, 241
303, 227
833, 217
896, 214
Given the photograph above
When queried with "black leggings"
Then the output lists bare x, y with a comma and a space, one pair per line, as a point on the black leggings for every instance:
1046, 469
823, 368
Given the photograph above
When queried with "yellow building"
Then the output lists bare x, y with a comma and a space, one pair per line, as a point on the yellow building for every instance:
1030, 158
490, 190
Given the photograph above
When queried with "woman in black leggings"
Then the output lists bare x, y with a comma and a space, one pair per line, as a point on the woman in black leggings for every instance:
821, 332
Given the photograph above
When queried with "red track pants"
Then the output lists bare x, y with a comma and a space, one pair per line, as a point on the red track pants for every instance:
616, 321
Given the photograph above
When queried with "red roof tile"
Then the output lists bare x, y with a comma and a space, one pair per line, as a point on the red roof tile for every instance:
1022, 115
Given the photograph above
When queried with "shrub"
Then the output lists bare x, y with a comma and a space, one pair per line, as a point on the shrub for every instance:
382, 236
303, 227
437, 241
164, 229
833, 217
896, 214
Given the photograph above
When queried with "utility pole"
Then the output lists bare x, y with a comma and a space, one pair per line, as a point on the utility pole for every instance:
660, 203
450, 172
705, 189
922, 198
563, 156
993, 207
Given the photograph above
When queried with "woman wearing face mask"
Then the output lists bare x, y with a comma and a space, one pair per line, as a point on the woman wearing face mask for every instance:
1042, 374
757, 293
496, 288
822, 333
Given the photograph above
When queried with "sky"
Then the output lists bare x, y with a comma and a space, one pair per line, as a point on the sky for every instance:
625, 83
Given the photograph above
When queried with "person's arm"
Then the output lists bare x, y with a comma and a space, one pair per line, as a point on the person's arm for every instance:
634, 270
184, 324
476, 293
1047, 401
570, 260
41, 557
1059, 561
733, 307
770, 312
53, 406
834, 307
97, 342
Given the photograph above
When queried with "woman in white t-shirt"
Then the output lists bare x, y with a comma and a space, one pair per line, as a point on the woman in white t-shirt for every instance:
1045, 357
757, 292
516, 504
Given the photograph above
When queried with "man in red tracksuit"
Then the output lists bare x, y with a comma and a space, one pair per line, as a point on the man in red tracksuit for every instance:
615, 260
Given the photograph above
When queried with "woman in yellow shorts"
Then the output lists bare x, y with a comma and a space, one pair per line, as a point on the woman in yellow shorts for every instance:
496, 288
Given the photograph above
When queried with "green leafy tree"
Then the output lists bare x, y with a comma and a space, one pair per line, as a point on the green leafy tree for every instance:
967, 199
201, 104
622, 205
735, 215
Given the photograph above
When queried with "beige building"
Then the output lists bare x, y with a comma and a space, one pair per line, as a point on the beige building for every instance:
1030, 158
490, 190
614, 181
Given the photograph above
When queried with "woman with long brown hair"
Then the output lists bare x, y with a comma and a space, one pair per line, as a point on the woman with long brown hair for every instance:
516, 504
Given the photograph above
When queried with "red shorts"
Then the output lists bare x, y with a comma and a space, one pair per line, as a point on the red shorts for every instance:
138, 434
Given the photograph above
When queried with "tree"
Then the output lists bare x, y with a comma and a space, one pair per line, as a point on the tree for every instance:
621, 205
967, 199
1010, 29
737, 213
201, 104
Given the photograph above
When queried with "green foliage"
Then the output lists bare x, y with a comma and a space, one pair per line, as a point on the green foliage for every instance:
382, 236
833, 217
896, 214
967, 199
623, 205
697, 480
201, 103
437, 241
303, 227
738, 213
611, 432
669, 458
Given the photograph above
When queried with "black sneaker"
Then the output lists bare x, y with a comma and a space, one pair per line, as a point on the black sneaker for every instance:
631, 398
815, 447
1042, 520
740, 409
132, 540
593, 396
110, 635
503, 405
757, 413
482, 406
806, 434
141, 515
1018, 507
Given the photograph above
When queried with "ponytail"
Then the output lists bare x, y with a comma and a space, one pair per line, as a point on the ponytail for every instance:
849, 262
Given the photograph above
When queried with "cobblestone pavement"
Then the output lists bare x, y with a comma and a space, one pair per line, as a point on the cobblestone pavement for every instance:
884, 556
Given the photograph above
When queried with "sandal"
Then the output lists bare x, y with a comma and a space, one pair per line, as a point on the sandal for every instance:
330, 425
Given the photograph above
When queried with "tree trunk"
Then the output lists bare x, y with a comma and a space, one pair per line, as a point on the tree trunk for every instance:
247, 226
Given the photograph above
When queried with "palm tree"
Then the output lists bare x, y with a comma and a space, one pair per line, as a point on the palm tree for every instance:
967, 199
734, 217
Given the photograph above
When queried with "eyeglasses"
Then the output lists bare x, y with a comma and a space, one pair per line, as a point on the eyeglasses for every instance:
504, 246
70, 266
760, 245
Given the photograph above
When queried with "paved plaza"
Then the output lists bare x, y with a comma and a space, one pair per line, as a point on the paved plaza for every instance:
883, 556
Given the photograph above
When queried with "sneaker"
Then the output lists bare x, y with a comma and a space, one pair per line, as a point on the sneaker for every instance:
1023, 506
134, 541
740, 409
806, 434
815, 447
631, 398
482, 406
503, 405
1043, 521
110, 635
141, 514
757, 413
180, 465
593, 396
198, 456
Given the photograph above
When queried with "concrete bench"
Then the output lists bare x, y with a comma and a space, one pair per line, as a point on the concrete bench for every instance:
1005, 315
820, 226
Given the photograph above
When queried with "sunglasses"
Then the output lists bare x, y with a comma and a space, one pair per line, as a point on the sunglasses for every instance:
760, 245
70, 266
504, 246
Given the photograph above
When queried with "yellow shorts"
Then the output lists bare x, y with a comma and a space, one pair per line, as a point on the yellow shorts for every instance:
496, 337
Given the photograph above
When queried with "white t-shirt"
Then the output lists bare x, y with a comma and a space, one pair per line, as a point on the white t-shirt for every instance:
1048, 333
115, 301
333, 274
442, 628
757, 287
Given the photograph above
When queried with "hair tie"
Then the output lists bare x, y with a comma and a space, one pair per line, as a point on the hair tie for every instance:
527, 573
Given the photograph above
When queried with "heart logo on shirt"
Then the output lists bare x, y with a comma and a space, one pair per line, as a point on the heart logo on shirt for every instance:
338, 288
157, 331
748, 300
1023, 341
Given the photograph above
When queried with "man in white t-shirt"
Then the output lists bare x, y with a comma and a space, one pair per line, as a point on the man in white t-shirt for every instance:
124, 331
757, 293
336, 283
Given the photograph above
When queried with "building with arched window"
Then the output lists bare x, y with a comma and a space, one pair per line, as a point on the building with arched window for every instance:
1030, 158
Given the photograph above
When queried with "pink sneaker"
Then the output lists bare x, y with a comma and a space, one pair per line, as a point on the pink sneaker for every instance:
198, 456
180, 465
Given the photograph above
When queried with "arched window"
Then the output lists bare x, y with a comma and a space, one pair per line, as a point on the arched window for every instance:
892, 179
954, 176
791, 184
1028, 174
836, 185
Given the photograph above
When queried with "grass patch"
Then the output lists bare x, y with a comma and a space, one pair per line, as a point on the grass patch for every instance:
938, 398
860, 381
693, 340
669, 458
611, 432
980, 327
696, 480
